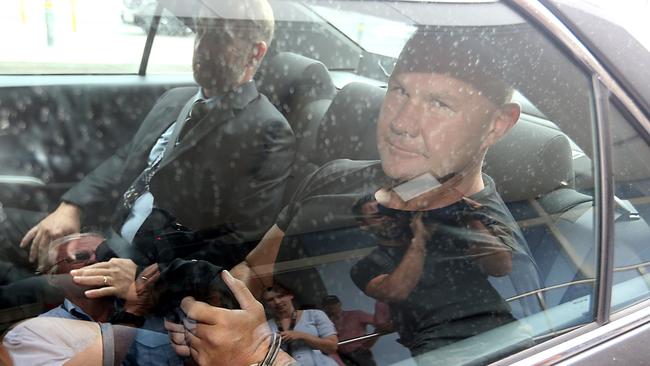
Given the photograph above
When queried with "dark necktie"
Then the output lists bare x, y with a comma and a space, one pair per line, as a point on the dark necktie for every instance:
141, 184
197, 112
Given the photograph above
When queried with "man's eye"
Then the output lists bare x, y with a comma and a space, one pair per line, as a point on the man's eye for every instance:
438, 104
398, 90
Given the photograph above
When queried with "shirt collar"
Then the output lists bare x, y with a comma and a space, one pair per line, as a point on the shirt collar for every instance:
209, 102
75, 310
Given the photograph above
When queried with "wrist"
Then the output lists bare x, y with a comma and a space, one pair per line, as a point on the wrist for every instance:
70, 209
284, 359
261, 350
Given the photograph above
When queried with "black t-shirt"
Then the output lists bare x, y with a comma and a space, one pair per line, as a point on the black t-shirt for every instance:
453, 299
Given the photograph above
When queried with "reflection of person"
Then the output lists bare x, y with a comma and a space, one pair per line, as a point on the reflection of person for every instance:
446, 104
216, 159
307, 335
351, 324
28, 347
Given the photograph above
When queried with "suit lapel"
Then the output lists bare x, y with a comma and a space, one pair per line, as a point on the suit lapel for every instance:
225, 110
153, 127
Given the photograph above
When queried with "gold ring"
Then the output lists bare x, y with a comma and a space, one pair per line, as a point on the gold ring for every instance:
105, 280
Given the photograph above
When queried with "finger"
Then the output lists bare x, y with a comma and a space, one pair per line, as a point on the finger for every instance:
199, 311
92, 272
95, 281
96, 266
39, 240
150, 271
183, 351
174, 327
192, 341
28, 237
242, 294
177, 338
101, 292
151, 280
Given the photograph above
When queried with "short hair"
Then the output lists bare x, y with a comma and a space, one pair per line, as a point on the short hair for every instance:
330, 300
480, 56
276, 287
253, 19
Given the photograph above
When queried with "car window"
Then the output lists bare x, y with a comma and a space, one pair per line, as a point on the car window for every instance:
68, 37
630, 173
375, 34
409, 182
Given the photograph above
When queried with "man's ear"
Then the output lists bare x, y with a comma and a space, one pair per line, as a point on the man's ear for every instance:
259, 50
503, 120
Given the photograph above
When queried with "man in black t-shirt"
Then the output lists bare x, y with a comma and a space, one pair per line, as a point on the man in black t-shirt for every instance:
437, 230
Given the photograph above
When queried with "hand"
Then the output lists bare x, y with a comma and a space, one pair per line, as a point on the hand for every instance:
177, 337
291, 335
112, 278
227, 337
65, 220
139, 297
421, 233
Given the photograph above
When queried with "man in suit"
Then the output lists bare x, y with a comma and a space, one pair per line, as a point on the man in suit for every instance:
213, 160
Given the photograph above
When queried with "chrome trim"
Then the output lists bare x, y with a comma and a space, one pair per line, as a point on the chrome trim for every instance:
362, 338
21, 180
549, 21
605, 210
582, 342
592, 334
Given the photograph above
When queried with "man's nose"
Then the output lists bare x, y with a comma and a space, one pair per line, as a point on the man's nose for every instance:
406, 120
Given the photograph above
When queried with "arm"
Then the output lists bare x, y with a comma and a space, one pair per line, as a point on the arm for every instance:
398, 285
492, 256
325, 339
257, 270
91, 356
327, 344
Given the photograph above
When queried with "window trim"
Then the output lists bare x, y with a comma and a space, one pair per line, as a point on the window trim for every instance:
606, 325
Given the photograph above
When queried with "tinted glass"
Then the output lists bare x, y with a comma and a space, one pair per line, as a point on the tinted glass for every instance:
422, 170
629, 155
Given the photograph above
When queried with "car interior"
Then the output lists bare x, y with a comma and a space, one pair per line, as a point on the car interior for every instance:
54, 129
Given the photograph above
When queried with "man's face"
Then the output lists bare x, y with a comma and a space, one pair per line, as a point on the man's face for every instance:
218, 62
431, 123
333, 310
71, 255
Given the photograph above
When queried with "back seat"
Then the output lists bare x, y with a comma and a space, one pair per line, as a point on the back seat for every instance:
299, 87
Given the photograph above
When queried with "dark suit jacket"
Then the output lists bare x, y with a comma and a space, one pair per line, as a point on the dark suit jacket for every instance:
228, 172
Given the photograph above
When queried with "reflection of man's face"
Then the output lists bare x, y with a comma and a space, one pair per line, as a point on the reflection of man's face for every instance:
333, 310
75, 254
278, 302
218, 63
71, 255
431, 123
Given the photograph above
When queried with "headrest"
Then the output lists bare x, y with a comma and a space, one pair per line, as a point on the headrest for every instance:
348, 129
530, 161
288, 74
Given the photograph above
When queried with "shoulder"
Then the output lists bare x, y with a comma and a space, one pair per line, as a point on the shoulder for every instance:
176, 95
338, 175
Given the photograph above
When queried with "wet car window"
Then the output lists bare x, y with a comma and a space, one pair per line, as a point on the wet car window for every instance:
396, 182
68, 37
630, 174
